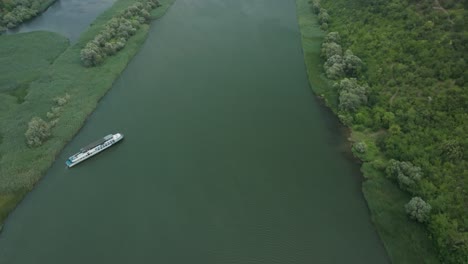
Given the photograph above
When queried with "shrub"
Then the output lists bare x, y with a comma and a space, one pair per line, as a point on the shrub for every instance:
360, 147
116, 32
324, 26
352, 64
405, 173
330, 49
332, 37
62, 100
38, 131
316, 7
323, 16
91, 55
418, 209
351, 94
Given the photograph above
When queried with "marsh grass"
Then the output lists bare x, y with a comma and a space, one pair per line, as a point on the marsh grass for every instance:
25, 57
20, 166
405, 240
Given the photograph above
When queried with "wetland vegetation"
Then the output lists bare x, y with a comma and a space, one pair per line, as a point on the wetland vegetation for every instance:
407, 107
46, 95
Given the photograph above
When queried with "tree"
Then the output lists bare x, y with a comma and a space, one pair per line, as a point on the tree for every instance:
332, 37
451, 150
352, 64
334, 67
38, 131
360, 147
418, 209
316, 7
324, 26
352, 95
91, 55
405, 173
330, 49
323, 17
10, 20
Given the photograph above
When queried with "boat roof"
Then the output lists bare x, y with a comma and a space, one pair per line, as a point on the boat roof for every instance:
97, 142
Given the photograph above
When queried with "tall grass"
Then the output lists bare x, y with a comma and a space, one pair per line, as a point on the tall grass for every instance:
20, 166
404, 240
25, 57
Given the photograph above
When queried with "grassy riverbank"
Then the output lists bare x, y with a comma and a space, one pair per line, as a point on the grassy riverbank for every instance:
20, 166
405, 240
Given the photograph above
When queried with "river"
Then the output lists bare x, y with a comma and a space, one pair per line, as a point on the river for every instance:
228, 157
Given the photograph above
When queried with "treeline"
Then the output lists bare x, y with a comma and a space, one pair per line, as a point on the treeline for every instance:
411, 97
116, 32
14, 12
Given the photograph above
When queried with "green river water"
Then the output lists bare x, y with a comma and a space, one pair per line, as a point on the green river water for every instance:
228, 157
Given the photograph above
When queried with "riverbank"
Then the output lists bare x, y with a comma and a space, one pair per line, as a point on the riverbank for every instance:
405, 240
22, 167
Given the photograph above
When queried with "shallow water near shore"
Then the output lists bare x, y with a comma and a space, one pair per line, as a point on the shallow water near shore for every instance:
227, 158
66, 17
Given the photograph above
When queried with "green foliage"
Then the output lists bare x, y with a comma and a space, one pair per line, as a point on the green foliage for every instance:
316, 6
38, 131
330, 49
334, 67
413, 55
407, 175
13, 13
351, 64
360, 147
25, 59
21, 166
352, 95
332, 37
323, 16
116, 32
418, 209
406, 241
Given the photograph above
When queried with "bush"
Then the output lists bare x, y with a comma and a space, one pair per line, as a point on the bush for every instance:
418, 209
62, 100
323, 17
330, 49
352, 64
116, 32
332, 37
324, 26
38, 131
405, 173
360, 147
316, 7
91, 55
351, 94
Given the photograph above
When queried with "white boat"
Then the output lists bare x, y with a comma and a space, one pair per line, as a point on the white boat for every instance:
94, 148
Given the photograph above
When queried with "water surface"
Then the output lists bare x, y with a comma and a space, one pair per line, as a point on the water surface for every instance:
228, 157
66, 17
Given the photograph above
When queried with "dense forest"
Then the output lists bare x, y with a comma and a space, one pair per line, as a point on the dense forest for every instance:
400, 68
14, 12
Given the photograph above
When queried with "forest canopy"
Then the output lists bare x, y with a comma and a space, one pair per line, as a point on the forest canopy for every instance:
406, 87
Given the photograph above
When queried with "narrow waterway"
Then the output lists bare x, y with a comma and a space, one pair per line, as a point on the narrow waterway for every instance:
228, 157
66, 17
